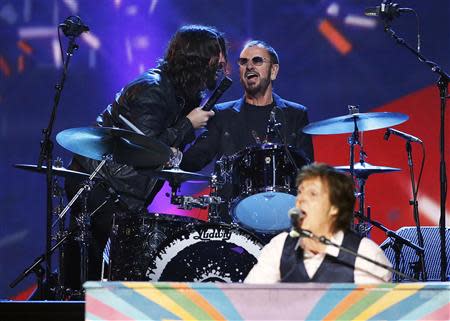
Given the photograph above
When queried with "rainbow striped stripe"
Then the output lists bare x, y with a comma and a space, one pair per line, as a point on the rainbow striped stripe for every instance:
213, 301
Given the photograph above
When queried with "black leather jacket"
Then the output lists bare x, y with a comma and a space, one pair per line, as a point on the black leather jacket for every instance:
151, 104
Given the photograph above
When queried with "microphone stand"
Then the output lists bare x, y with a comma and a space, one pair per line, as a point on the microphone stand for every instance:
324, 240
397, 244
274, 127
415, 205
46, 156
442, 85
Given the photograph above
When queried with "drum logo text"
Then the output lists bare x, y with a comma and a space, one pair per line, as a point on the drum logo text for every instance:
213, 234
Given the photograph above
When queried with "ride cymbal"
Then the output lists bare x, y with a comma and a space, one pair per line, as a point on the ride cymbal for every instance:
346, 124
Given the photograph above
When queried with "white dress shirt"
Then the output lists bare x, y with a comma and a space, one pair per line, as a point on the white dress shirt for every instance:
267, 270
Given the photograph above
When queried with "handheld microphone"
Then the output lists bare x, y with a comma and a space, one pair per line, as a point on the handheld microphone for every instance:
217, 93
73, 26
408, 137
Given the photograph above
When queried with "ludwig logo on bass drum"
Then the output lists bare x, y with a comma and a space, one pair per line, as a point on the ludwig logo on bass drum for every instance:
213, 234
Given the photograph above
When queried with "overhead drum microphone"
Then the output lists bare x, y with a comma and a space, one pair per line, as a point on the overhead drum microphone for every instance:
73, 26
387, 10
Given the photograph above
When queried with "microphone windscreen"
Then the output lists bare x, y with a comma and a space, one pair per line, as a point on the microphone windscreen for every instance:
294, 212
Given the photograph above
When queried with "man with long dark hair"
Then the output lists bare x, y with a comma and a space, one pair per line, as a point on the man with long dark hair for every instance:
163, 104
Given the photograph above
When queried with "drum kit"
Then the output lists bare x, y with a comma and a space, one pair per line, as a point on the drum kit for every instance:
163, 247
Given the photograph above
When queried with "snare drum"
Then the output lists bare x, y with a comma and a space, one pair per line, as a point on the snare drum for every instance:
264, 187
207, 253
135, 240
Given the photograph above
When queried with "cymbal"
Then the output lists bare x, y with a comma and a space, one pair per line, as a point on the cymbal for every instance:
346, 124
365, 169
58, 171
178, 175
126, 147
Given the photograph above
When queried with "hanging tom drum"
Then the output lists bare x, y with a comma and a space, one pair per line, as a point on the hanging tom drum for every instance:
264, 186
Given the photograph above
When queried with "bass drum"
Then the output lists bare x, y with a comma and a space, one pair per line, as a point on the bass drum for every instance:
135, 239
207, 253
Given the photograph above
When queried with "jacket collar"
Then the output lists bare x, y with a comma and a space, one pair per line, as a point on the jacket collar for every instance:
240, 102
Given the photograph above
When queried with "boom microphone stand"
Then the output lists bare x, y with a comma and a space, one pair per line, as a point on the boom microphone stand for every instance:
388, 11
72, 28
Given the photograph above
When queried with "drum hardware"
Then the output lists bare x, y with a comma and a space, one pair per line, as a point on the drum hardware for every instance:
354, 123
53, 287
106, 144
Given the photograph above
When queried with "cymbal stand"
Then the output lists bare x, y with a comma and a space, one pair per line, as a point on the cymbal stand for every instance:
58, 194
363, 228
84, 220
214, 210
353, 139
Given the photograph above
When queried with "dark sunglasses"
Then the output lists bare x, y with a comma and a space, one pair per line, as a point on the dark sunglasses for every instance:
256, 61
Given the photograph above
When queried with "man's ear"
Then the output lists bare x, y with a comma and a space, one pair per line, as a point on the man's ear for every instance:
333, 210
274, 71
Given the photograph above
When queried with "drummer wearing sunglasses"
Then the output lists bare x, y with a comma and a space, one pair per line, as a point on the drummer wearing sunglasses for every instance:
243, 123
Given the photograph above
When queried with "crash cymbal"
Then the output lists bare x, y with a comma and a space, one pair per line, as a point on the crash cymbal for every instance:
126, 147
178, 175
365, 169
346, 124
58, 171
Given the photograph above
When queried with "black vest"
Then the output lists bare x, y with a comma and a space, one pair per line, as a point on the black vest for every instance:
332, 269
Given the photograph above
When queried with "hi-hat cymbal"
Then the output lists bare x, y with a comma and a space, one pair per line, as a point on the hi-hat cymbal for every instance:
365, 169
177, 175
124, 146
58, 171
346, 124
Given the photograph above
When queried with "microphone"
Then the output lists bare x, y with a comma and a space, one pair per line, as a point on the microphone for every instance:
408, 137
386, 10
73, 26
217, 93
295, 214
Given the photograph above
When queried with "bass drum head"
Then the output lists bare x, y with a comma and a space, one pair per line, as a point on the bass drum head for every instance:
208, 253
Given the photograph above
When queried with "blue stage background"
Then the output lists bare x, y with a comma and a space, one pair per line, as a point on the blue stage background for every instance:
127, 37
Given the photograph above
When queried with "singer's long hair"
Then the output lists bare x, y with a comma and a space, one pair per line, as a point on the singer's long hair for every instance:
191, 61
341, 191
